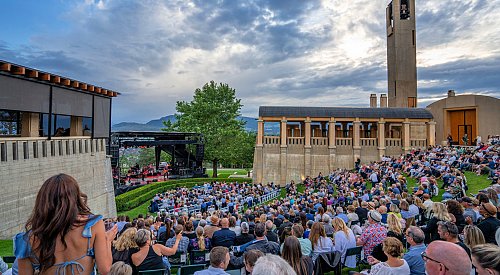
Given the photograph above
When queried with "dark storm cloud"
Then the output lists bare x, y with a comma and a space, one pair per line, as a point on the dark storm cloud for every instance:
294, 51
464, 75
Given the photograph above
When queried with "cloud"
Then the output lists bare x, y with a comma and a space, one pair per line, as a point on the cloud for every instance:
318, 53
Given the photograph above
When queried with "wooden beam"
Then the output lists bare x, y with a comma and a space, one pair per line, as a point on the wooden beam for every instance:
32, 73
55, 79
104, 91
65, 82
18, 70
97, 90
74, 83
44, 76
5, 67
90, 88
83, 86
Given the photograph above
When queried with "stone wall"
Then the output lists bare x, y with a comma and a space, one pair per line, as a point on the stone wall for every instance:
27, 162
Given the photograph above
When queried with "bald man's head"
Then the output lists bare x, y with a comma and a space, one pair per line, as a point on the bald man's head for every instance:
446, 258
224, 223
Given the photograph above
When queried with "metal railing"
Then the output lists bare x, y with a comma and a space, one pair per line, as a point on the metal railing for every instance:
197, 208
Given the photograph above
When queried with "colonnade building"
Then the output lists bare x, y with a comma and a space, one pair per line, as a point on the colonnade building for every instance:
322, 139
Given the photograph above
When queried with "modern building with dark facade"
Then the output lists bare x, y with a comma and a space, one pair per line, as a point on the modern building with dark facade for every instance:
51, 124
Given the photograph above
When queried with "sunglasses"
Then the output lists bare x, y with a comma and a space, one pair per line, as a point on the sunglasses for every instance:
427, 258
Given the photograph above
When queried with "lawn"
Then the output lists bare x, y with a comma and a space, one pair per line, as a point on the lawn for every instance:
474, 182
225, 173
133, 213
6, 248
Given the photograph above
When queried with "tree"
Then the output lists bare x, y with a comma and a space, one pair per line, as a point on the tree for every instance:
214, 113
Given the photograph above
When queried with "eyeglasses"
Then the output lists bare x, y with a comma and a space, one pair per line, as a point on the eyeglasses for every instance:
425, 258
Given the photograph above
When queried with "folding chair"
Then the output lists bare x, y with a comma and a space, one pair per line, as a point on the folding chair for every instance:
9, 259
234, 272
190, 269
178, 259
199, 257
355, 251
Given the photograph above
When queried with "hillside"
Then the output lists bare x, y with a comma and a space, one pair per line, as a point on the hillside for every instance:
157, 124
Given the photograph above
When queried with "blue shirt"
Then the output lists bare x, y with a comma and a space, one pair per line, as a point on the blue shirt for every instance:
211, 271
343, 217
414, 259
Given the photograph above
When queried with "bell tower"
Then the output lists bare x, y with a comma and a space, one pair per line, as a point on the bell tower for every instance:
401, 54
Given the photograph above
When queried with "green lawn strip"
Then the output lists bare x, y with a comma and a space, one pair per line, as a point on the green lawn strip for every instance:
225, 173
474, 182
6, 248
141, 209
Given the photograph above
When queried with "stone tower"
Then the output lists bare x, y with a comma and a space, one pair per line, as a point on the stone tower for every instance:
401, 54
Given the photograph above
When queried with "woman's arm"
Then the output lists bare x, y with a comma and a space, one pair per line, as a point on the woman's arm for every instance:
102, 246
168, 251
25, 266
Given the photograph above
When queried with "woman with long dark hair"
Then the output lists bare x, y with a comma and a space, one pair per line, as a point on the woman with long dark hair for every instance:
292, 253
62, 235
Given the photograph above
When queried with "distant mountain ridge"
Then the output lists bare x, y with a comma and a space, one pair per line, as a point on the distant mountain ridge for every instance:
157, 124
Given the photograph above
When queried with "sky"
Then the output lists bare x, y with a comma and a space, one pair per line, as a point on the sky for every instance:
272, 52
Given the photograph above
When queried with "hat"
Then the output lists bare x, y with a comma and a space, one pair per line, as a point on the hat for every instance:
214, 220
466, 199
371, 205
489, 208
375, 215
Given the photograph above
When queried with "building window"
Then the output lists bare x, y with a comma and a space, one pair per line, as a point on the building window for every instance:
61, 125
10, 123
87, 126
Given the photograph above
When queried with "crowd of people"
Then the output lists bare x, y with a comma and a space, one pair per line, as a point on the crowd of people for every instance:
212, 196
401, 229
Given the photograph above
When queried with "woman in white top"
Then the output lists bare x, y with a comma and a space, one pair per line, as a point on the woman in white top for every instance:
320, 242
393, 249
344, 239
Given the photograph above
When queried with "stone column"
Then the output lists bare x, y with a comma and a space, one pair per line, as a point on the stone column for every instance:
307, 147
431, 133
283, 133
406, 136
381, 137
258, 158
332, 145
260, 131
356, 139
283, 152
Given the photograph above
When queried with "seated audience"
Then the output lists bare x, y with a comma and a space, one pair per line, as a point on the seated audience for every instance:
415, 238
272, 265
224, 236
442, 257
486, 259
251, 257
183, 243
219, 260
292, 253
124, 246
344, 239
